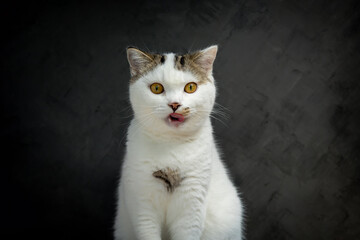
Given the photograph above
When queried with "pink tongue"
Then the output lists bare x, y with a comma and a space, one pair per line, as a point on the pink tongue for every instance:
179, 117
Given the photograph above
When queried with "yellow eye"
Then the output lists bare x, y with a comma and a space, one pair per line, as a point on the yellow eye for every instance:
157, 88
190, 87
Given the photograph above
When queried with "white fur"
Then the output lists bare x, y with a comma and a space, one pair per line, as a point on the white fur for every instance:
205, 205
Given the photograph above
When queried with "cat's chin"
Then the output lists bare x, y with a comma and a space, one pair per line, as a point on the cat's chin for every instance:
175, 119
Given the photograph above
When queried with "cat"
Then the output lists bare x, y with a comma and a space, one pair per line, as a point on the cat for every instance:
173, 183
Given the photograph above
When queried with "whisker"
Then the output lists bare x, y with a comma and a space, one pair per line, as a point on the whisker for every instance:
212, 115
138, 124
221, 106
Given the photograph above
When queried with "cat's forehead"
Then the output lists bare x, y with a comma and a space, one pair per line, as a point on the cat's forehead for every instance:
177, 66
168, 72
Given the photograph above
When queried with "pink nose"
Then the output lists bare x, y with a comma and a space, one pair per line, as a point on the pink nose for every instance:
174, 106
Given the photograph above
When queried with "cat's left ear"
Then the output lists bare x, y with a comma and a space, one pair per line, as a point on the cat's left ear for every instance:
206, 58
138, 60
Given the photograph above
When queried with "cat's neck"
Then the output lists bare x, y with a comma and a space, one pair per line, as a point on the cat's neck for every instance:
136, 131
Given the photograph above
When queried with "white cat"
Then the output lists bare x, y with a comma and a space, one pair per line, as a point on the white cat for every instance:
173, 183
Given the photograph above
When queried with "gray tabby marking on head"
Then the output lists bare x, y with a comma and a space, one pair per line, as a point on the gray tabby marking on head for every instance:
188, 62
141, 62
199, 63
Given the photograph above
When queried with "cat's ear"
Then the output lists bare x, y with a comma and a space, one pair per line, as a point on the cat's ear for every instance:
206, 57
138, 60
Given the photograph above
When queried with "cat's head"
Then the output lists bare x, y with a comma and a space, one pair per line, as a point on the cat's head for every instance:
169, 93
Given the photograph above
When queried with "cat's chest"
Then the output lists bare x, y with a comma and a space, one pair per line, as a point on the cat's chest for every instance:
166, 167
157, 156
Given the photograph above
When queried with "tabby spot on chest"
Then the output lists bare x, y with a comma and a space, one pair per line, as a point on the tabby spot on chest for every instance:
170, 177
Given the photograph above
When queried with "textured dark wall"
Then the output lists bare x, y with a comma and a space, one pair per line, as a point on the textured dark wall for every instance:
287, 71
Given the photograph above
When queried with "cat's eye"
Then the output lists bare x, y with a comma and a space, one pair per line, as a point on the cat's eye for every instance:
190, 87
156, 88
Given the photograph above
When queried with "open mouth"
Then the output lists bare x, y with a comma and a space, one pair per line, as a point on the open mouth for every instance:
176, 118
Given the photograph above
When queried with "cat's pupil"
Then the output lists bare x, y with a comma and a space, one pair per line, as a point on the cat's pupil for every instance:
157, 88
191, 87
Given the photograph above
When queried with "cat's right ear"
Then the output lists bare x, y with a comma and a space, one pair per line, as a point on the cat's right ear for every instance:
138, 60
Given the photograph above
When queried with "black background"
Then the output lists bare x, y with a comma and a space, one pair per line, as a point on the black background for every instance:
287, 71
